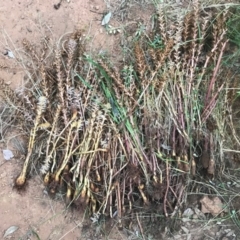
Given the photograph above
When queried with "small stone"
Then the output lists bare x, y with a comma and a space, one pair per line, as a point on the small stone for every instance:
188, 213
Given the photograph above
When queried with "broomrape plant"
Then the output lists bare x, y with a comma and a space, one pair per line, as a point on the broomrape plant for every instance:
109, 138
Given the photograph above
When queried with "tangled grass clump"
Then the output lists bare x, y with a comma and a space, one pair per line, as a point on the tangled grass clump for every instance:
114, 140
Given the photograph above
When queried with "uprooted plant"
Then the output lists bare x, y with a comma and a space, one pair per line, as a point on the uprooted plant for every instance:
113, 138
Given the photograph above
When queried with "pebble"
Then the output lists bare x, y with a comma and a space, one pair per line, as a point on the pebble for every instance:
188, 213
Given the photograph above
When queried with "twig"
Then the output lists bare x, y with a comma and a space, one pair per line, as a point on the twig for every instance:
167, 188
140, 226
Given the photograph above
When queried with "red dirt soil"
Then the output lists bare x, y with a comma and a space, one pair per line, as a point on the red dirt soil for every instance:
33, 210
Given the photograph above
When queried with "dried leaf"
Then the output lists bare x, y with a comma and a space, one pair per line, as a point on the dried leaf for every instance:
106, 19
7, 154
10, 230
213, 206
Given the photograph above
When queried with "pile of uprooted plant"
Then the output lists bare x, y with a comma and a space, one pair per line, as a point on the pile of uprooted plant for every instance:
115, 140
